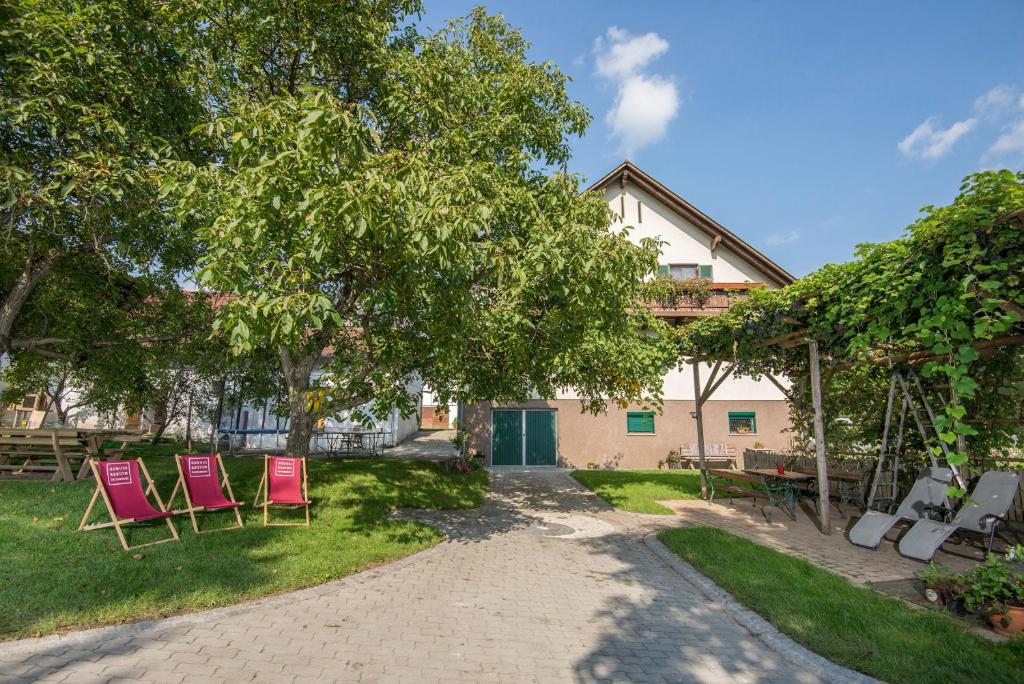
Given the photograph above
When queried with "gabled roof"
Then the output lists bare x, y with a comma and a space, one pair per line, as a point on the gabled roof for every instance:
628, 172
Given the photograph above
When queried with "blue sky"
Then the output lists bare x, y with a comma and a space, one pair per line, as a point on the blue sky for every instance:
805, 127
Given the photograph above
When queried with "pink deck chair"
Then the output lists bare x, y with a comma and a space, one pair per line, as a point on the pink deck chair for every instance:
202, 480
120, 485
284, 484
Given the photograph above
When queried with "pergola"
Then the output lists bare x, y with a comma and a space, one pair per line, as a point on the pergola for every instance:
947, 298
899, 384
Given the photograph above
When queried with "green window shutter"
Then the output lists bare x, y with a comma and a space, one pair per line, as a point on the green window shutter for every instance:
742, 422
640, 421
664, 270
704, 271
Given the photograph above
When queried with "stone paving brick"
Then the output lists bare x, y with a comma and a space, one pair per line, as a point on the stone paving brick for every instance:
802, 539
544, 583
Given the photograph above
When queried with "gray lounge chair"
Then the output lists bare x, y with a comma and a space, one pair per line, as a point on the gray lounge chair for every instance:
928, 491
983, 513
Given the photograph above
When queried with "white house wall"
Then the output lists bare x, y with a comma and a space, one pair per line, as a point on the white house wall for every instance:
686, 244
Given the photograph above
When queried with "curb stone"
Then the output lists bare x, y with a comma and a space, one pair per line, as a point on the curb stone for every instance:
756, 625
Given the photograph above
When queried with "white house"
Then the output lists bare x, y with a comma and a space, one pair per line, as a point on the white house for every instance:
742, 413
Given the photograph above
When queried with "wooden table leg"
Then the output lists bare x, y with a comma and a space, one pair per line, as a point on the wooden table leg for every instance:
92, 451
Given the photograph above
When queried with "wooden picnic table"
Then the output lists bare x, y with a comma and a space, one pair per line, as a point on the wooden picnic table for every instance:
789, 475
93, 439
852, 487
25, 451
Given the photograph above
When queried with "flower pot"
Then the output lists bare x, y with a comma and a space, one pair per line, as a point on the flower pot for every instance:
1009, 623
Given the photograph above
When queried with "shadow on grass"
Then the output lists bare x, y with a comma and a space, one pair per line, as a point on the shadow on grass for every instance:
640, 490
57, 578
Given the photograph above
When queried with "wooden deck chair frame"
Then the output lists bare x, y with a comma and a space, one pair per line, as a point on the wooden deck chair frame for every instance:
225, 483
264, 491
116, 522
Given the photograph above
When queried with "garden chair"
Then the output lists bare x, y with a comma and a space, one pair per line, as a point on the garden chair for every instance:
284, 484
928, 491
982, 513
120, 485
202, 480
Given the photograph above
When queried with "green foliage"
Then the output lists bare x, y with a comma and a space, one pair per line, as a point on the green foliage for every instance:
952, 281
415, 224
668, 292
856, 627
61, 579
90, 95
992, 586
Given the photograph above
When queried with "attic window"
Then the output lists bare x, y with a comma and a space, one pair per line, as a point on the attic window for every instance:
684, 271
622, 207
639, 212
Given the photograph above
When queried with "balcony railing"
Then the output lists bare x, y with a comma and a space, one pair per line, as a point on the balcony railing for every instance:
694, 302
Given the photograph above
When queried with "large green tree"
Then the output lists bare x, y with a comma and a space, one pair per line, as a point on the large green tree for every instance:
91, 94
385, 203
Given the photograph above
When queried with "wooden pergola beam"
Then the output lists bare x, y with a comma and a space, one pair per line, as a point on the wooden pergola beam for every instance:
916, 358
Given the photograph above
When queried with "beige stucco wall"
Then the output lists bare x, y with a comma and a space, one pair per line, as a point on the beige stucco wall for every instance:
602, 439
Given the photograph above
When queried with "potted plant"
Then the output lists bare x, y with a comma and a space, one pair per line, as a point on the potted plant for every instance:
993, 589
673, 459
943, 587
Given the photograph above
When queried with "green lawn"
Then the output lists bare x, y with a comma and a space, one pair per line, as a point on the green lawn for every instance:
55, 578
638, 490
856, 627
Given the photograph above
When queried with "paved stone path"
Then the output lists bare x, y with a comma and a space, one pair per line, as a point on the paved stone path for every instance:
545, 582
802, 539
425, 444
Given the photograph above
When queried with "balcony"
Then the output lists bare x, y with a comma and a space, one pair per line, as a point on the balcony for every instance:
680, 299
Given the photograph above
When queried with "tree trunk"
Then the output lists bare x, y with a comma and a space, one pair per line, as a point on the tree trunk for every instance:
297, 375
188, 423
10, 307
218, 414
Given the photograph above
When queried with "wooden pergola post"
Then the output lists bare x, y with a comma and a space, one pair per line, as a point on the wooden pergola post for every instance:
700, 427
819, 439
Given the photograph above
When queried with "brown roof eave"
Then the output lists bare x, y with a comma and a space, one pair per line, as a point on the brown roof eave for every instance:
628, 172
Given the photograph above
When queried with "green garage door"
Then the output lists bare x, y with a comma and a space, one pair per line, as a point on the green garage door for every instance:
523, 437
507, 438
540, 437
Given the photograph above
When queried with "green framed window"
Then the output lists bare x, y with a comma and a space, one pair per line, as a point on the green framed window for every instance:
742, 423
640, 422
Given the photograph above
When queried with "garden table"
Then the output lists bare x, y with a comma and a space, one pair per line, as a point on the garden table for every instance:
783, 488
350, 442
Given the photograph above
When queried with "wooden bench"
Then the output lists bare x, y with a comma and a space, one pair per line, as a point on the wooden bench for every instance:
26, 451
718, 454
737, 483
730, 482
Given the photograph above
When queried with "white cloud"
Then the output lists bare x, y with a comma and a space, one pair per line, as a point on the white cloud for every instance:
776, 239
928, 142
1009, 145
642, 111
645, 103
620, 55
997, 100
